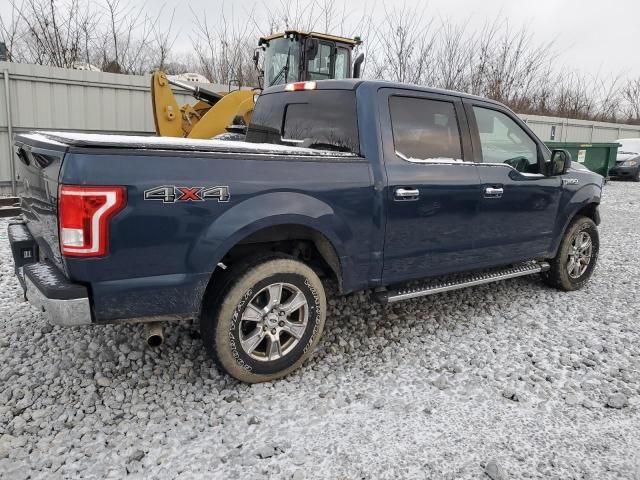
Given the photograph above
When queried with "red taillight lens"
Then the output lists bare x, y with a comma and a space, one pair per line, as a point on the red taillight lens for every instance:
83, 218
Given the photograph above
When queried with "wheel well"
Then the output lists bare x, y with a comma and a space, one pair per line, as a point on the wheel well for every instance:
590, 210
297, 241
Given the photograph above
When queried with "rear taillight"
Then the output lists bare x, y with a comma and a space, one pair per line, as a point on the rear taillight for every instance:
83, 217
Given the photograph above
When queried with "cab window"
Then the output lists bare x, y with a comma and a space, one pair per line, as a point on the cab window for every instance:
503, 141
322, 119
425, 129
320, 67
342, 63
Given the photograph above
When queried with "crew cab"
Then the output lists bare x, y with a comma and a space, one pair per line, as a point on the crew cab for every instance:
367, 183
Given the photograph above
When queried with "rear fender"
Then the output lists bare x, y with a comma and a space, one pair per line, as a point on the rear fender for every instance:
267, 210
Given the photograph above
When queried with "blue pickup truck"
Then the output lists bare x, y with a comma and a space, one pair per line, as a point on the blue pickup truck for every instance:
400, 189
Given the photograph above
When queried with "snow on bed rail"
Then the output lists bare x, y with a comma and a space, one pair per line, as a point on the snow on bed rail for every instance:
173, 143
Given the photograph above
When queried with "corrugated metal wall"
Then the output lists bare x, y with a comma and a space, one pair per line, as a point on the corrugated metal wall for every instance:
568, 130
47, 98
59, 99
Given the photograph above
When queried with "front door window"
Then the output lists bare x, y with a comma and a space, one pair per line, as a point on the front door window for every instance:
503, 141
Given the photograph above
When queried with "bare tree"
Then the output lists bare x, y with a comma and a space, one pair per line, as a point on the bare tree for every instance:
12, 34
631, 98
50, 33
127, 44
453, 58
163, 40
406, 44
224, 50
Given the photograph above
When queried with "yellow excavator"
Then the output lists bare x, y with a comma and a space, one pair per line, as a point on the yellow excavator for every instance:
290, 56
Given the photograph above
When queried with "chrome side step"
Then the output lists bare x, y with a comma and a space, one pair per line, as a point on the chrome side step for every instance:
463, 281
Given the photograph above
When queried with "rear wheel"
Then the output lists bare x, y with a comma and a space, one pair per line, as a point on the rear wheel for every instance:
577, 256
267, 319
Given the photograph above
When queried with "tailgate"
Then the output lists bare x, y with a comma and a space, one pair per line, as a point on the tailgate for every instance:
40, 161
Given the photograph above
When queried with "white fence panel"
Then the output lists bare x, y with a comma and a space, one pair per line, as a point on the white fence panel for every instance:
48, 98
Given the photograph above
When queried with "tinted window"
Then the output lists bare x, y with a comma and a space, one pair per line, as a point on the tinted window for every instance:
324, 119
320, 66
504, 141
425, 129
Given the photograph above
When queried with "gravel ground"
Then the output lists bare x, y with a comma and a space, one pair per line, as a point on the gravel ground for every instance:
510, 380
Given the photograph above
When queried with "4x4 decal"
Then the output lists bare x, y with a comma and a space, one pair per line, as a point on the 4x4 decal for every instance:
173, 194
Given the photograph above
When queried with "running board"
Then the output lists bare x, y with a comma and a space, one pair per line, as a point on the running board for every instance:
463, 281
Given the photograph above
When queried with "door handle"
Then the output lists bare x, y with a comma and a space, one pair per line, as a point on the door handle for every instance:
406, 193
493, 192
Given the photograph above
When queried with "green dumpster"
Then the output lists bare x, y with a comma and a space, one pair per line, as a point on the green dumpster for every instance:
597, 157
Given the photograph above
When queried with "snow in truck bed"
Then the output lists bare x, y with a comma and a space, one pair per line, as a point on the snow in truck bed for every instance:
172, 143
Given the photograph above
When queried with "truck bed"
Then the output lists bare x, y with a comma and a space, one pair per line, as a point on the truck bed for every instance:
138, 142
162, 252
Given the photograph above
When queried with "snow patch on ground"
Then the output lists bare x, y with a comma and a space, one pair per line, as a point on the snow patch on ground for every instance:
510, 379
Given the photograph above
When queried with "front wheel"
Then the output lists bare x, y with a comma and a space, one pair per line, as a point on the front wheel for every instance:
577, 256
266, 321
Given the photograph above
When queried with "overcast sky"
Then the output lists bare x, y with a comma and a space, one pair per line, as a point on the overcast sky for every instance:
598, 37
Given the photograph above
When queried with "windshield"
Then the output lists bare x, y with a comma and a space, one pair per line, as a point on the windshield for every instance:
281, 62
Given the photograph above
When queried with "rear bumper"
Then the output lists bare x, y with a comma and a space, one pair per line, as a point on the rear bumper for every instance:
45, 286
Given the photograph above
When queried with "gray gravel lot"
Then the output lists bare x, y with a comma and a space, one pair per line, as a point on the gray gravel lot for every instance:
510, 380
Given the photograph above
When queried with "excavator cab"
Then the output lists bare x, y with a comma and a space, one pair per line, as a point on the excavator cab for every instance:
290, 56
296, 56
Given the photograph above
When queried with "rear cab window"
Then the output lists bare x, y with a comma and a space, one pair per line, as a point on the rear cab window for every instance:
321, 119
425, 130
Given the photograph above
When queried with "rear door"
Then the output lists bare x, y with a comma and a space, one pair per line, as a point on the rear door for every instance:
433, 186
519, 204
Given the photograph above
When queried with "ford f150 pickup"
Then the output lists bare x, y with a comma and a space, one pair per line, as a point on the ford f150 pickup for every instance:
371, 184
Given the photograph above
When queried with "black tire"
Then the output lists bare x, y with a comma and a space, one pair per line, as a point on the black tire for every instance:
228, 322
636, 176
558, 276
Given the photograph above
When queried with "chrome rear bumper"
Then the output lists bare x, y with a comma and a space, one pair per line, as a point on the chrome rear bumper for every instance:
45, 286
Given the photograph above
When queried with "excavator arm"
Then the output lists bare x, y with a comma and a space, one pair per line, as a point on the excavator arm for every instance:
210, 116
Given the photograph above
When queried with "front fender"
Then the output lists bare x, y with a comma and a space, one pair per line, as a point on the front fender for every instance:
266, 210
573, 202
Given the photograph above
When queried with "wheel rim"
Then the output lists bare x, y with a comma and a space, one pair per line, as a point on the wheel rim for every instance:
273, 322
579, 255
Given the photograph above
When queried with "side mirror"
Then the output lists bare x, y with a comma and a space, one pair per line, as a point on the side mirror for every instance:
560, 162
311, 48
256, 59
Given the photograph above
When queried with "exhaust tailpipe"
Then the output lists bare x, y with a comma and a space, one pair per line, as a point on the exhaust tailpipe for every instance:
154, 333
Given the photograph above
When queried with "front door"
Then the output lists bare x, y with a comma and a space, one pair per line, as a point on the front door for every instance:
433, 188
519, 203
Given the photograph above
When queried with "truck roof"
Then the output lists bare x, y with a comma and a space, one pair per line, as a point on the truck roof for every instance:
355, 83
